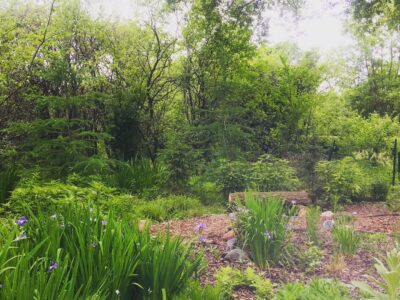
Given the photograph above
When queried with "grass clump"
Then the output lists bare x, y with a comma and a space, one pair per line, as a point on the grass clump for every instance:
312, 220
262, 228
346, 239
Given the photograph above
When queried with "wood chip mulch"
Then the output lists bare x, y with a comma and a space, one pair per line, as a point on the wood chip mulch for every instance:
368, 217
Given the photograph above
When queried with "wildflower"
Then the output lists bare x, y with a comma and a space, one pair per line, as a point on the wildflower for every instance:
200, 227
233, 216
104, 222
91, 209
21, 222
354, 213
203, 239
294, 202
242, 209
94, 244
62, 225
268, 235
53, 265
53, 217
91, 219
21, 237
117, 292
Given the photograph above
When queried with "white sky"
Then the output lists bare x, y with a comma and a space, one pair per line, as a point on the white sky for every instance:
320, 27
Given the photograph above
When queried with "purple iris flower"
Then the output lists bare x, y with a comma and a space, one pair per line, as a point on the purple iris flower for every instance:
104, 222
203, 239
200, 227
53, 265
21, 222
233, 216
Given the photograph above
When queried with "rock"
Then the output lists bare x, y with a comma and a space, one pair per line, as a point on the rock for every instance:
328, 224
229, 235
327, 214
236, 255
230, 244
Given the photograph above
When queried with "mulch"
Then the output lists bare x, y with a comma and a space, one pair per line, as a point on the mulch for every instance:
368, 217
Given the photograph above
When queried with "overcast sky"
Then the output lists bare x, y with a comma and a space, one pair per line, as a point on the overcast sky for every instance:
321, 25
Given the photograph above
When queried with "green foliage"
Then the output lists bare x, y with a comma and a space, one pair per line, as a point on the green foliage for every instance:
266, 174
208, 192
393, 199
312, 223
228, 279
139, 176
346, 239
311, 258
195, 291
165, 267
42, 197
316, 289
8, 181
171, 207
79, 253
263, 229
389, 271
352, 179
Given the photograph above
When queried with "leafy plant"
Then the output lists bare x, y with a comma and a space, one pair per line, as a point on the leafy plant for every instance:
310, 259
228, 279
393, 199
263, 228
346, 239
312, 221
389, 271
316, 289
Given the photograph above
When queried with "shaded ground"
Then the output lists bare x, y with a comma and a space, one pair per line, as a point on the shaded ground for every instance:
369, 218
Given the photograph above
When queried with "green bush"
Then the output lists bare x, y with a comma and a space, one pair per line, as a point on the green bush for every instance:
316, 289
78, 253
207, 191
351, 179
262, 228
266, 174
393, 199
45, 196
311, 258
228, 279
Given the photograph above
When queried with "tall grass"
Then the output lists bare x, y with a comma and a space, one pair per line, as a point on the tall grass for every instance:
78, 253
346, 239
263, 228
138, 175
312, 220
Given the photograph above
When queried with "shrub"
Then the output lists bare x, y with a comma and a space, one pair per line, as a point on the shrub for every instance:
351, 179
312, 221
228, 279
263, 228
46, 196
266, 174
207, 191
316, 289
346, 239
393, 199
389, 271
310, 259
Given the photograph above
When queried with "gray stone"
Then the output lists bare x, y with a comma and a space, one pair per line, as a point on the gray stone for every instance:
236, 255
230, 244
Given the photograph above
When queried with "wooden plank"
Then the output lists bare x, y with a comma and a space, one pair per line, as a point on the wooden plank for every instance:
300, 197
